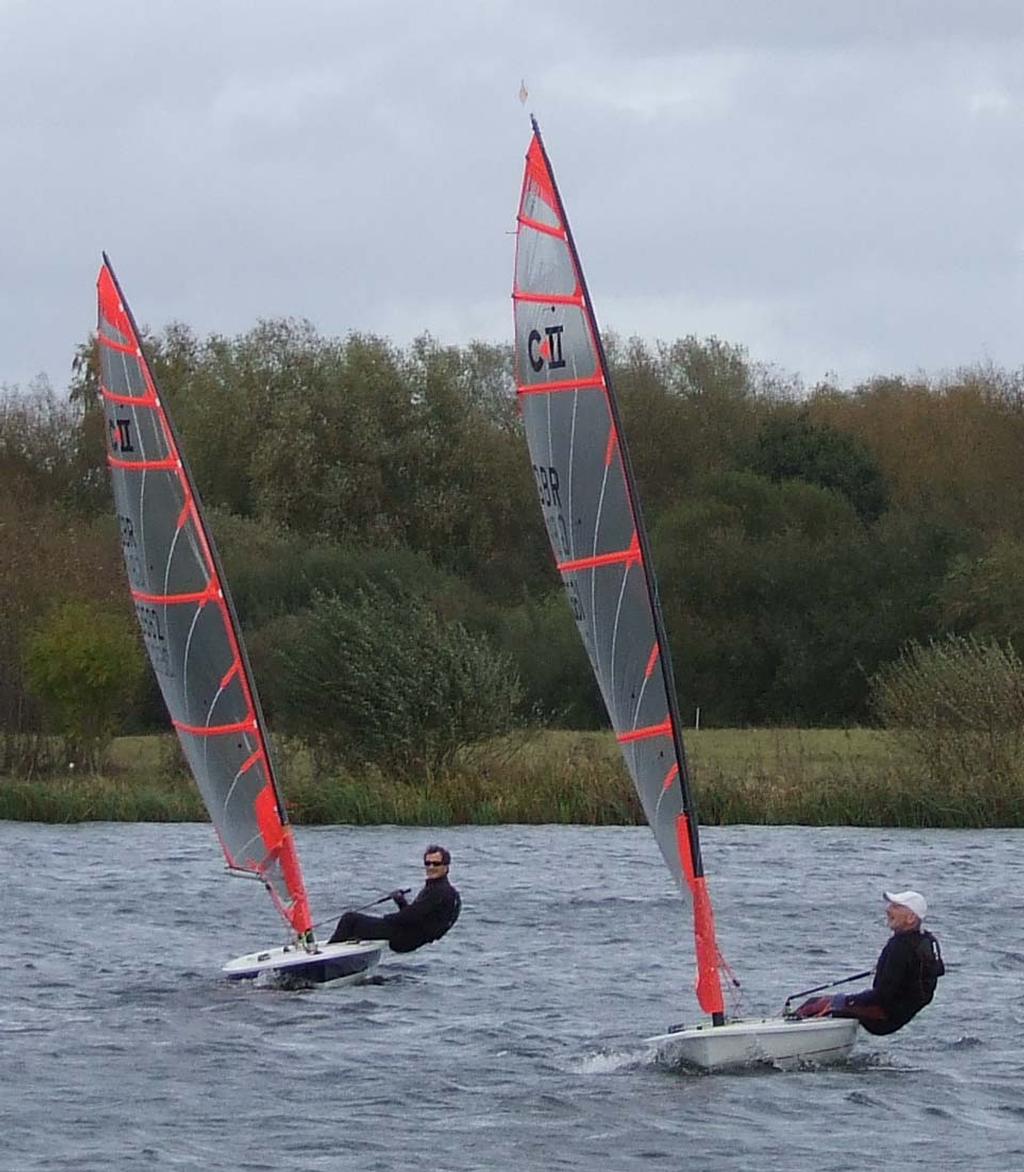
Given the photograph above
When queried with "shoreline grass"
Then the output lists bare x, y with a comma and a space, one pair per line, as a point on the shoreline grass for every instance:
813, 777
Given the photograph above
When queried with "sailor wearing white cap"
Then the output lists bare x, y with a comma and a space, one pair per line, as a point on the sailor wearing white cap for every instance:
913, 900
905, 976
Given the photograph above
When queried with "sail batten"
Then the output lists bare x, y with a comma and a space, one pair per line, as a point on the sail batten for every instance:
591, 511
188, 622
199, 596
142, 465
554, 299
569, 384
215, 730
615, 558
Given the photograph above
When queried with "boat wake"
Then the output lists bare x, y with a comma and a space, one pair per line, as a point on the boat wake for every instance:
612, 1061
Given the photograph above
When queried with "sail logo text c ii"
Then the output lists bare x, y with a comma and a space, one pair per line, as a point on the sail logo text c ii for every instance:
547, 350
121, 435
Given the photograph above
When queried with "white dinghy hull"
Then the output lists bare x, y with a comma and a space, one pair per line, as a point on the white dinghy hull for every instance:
329, 965
820, 1041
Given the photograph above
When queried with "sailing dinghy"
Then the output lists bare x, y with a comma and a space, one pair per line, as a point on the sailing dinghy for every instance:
191, 633
592, 513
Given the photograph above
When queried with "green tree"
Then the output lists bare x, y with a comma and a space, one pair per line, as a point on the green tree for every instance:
790, 446
470, 496
950, 451
84, 666
778, 600
983, 594
542, 640
361, 441
690, 409
52, 451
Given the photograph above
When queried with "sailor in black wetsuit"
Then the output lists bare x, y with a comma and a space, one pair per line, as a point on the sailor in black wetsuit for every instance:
434, 910
905, 976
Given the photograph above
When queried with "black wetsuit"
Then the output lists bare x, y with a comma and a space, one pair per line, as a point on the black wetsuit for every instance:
904, 984
434, 910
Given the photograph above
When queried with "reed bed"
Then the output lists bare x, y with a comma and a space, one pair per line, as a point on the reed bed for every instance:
817, 777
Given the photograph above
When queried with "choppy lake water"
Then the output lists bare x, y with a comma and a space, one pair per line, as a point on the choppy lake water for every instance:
516, 1042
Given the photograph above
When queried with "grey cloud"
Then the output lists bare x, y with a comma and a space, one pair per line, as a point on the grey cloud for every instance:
836, 187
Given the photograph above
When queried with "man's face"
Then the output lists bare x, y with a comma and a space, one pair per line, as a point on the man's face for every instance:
434, 863
900, 918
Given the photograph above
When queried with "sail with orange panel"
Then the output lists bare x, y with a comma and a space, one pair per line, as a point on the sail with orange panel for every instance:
187, 617
591, 509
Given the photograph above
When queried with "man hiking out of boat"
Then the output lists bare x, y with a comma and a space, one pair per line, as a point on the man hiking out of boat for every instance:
905, 976
434, 910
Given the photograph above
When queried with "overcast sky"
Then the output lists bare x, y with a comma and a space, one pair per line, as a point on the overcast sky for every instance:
835, 186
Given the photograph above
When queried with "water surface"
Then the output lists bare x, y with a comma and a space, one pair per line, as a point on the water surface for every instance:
516, 1043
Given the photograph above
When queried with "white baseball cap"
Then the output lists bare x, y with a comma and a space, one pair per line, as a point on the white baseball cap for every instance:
911, 899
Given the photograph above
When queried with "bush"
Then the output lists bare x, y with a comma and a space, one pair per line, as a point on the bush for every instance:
379, 677
959, 707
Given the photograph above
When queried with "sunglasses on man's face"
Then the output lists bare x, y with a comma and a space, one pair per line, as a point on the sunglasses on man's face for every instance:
433, 862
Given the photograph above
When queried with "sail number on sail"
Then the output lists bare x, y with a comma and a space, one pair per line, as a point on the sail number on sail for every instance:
130, 547
548, 481
547, 485
155, 638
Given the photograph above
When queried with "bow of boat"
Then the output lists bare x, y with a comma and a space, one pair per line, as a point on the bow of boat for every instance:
344, 963
777, 1041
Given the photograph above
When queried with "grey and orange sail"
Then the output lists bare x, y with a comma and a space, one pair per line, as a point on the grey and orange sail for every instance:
188, 621
592, 512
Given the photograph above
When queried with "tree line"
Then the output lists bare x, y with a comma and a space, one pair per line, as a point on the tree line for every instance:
802, 539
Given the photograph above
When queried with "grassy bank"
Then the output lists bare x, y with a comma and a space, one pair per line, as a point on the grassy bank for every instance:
816, 777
